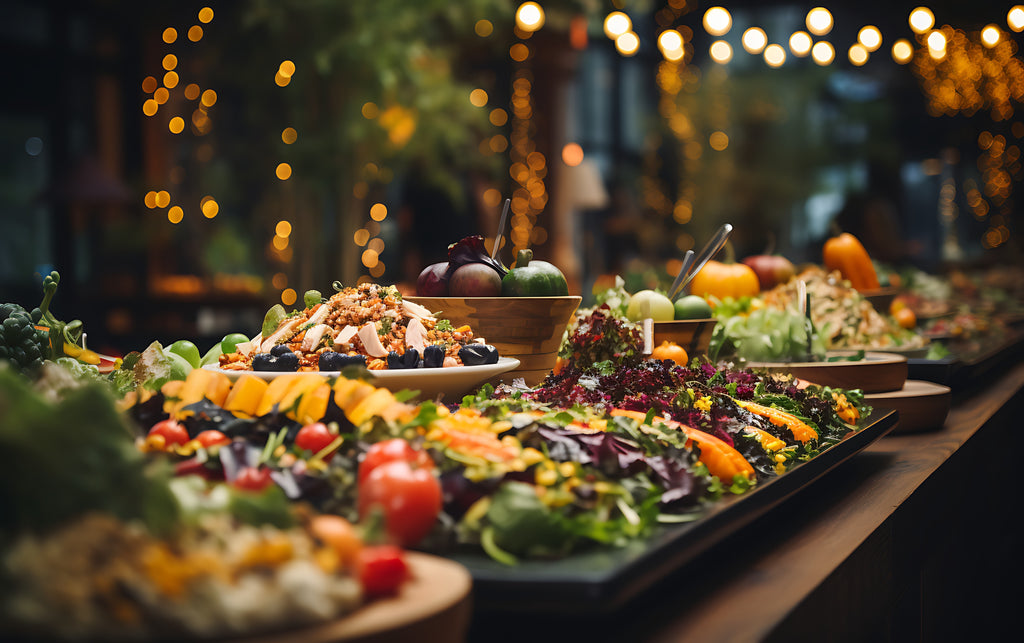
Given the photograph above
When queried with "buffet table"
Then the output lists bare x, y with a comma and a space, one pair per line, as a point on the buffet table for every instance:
912, 539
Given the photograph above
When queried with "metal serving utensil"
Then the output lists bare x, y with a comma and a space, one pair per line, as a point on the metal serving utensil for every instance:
676, 289
706, 254
501, 228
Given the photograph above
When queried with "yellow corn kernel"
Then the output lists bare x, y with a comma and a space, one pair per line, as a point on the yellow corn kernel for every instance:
532, 456
780, 458
155, 442
546, 477
566, 469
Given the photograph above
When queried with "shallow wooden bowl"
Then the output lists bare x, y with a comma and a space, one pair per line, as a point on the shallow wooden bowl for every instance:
881, 298
923, 406
875, 373
527, 328
692, 334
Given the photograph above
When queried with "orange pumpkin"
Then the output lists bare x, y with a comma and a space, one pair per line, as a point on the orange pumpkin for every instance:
723, 280
845, 253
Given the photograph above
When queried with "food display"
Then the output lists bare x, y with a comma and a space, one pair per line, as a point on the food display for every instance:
366, 325
471, 272
845, 253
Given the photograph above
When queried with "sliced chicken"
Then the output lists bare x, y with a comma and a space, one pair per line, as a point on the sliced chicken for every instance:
313, 336
416, 335
345, 335
320, 315
286, 329
415, 311
371, 341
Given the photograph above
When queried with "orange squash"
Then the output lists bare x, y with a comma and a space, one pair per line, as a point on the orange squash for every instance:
672, 351
723, 280
845, 253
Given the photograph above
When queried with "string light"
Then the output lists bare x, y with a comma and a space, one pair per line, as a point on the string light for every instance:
870, 37
529, 17
902, 51
774, 55
858, 54
1015, 18
823, 53
721, 51
990, 36
627, 44
617, 23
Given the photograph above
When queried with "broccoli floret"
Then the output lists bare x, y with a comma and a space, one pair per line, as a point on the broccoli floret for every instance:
21, 343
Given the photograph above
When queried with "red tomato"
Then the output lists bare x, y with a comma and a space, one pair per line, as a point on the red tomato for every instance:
409, 496
253, 479
171, 430
382, 569
390, 451
314, 437
212, 437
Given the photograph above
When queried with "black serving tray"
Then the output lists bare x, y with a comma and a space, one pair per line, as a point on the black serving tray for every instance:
604, 578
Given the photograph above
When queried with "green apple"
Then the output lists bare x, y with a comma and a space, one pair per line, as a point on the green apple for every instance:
186, 349
692, 307
650, 304
180, 367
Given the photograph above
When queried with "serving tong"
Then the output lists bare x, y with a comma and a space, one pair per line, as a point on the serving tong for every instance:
692, 266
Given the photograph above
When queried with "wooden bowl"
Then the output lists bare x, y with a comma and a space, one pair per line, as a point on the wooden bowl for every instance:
527, 328
875, 373
881, 298
692, 334
923, 406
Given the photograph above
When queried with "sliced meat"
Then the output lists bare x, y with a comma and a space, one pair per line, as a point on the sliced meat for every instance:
416, 311
416, 335
285, 330
345, 335
371, 341
313, 337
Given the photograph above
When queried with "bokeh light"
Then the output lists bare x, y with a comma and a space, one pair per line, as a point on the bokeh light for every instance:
990, 36
819, 21
627, 44
617, 23
754, 40
823, 53
902, 51
572, 154
858, 54
774, 55
800, 43
529, 16
1015, 18
717, 21
870, 37
720, 51
921, 19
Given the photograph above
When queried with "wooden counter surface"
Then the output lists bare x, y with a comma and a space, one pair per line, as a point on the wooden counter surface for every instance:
915, 539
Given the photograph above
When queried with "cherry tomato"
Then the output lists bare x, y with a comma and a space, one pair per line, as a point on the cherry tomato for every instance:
390, 451
409, 496
314, 437
171, 430
382, 569
212, 437
253, 479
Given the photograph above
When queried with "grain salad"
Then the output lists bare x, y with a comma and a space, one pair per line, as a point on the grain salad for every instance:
368, 321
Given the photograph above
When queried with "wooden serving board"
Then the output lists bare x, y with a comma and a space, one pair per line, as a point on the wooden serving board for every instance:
876, 373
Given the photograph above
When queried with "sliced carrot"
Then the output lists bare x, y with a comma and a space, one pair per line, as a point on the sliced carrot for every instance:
802, 431
721, 459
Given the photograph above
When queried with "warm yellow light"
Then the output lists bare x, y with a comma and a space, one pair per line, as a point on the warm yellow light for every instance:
478, 97
170, 61
210, 207
498, 117
800, 43
529, 16
754, 40
176, 125
483, 28
195, 33
1015, 18
774, 55
370, 110
378, 211
616, 23
171, 79
370, 257
209, 98
175, 214
289, 135
627, 44
150, 107
361, 236
990, 36
670, 40
519, 52
902, 51
720, 51
149, 84
286, 68
282, 81
921, 19
819, 21
280, 243
858, 54
161, 95
283, 228
163, 199
279, 280
572, 154
150, 199
937, 41
283, 171
288, 296
170, 35
870, 37
717, 21
720, 140
205, 15
823, 53
192, 91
